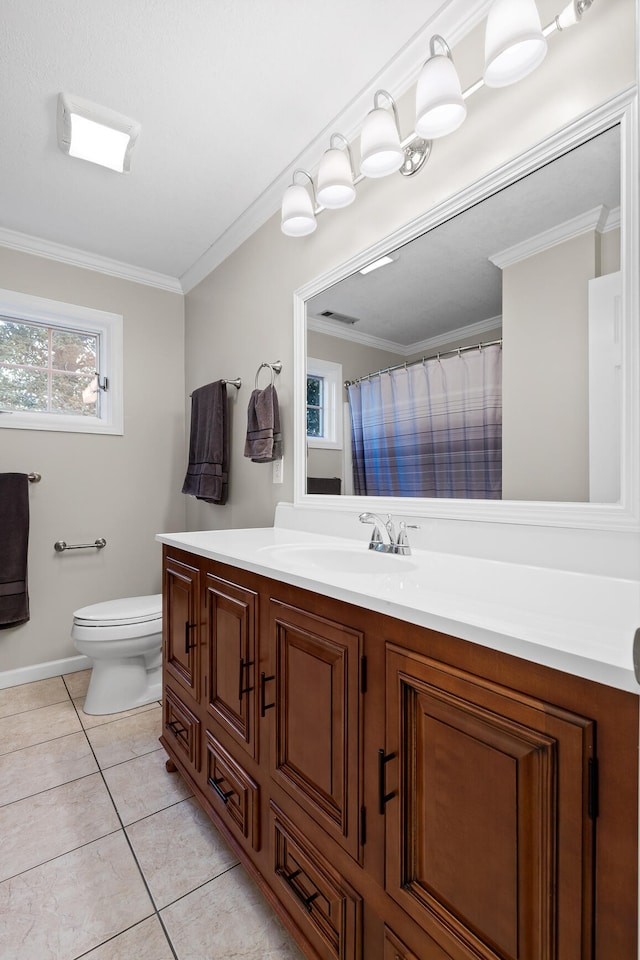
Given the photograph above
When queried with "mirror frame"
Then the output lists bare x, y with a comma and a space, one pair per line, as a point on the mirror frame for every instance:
623, 515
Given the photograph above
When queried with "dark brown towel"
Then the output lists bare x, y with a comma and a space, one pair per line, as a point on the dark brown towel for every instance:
264, 440
207, 475
14, 541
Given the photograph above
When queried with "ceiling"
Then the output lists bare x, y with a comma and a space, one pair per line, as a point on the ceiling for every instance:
230, 94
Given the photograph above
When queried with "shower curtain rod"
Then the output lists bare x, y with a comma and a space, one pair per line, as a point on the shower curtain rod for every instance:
435, 356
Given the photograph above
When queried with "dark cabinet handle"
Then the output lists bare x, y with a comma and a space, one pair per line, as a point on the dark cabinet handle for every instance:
383, 798
263, 682
177, 730
188, 646
305, 901
241, 688
216, 786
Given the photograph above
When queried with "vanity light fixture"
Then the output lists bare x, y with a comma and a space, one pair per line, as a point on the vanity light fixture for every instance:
440, 106
515, 44
94, 133
298, 215
336, 176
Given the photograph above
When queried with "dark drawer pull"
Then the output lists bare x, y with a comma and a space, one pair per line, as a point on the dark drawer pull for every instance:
383, 798
305, 901
264, 706
177, 730
216, 786
241, 688
188, 646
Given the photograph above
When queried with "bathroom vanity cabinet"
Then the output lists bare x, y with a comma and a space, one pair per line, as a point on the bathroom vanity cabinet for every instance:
397, 793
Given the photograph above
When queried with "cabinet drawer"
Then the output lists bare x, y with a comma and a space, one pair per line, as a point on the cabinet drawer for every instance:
181, 729
321, 901
231, 790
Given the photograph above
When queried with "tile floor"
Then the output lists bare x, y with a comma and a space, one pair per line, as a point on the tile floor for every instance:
86, 812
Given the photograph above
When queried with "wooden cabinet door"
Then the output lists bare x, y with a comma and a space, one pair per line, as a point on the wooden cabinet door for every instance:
486, 795
316, 742
231, 659
181, 623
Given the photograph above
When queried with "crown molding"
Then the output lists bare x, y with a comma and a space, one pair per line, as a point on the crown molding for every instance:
88, 261
453, 19
598, 220
332, 328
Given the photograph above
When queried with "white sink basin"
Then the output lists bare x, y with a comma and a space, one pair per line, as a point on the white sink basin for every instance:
314, 558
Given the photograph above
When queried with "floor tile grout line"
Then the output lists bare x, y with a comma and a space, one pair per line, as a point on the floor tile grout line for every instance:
42, 863
201, 885
86, 953
129, 844
38, 793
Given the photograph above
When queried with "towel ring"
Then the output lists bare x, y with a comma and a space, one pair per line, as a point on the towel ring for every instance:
274, 367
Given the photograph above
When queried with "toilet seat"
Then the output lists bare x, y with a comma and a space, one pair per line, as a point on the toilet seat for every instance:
120, 613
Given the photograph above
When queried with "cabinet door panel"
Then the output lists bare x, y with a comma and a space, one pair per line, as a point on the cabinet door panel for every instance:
231, 626
316, 738
490, 788
181, 623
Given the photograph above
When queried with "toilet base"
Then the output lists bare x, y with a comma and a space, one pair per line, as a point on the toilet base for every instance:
122, 684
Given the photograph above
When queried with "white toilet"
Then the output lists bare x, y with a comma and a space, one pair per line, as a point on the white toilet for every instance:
123, 639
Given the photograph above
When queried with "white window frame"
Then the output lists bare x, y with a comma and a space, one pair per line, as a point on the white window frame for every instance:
107, 327
331, 374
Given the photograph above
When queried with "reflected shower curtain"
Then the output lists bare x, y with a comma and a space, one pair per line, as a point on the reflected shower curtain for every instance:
431, 429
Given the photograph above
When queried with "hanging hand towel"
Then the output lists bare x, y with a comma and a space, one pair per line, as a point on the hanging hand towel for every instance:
14, 541
264, 440
207, 475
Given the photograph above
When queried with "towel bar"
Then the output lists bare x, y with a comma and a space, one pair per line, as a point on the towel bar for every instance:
34, 477
60, 546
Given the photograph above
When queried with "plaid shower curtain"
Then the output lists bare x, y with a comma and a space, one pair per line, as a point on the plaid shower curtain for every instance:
431, 429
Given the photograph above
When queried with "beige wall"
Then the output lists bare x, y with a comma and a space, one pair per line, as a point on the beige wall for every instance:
124, 488
545, 428
241, 314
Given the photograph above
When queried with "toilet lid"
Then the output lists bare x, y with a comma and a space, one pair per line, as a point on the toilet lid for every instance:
121, 612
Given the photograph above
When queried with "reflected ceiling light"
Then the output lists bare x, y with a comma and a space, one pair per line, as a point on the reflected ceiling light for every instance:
298, 213
94, 133
440, 107
336, 176
380, 150
514, 42
376, 264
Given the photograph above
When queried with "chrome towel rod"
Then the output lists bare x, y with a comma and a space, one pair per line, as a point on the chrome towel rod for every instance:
34, 477
60, 546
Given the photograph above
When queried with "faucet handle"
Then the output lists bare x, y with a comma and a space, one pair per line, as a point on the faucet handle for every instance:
403, 540
375, 543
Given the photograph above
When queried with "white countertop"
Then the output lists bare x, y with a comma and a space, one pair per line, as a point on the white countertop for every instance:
580, 623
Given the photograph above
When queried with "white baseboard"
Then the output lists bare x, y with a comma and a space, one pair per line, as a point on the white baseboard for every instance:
42, 671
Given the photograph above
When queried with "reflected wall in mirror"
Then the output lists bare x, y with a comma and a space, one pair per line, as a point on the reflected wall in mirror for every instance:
535, 266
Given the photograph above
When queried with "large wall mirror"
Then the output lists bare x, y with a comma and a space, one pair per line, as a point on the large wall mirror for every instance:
501, 326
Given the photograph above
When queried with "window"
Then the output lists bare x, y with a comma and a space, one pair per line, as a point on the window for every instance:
60, 366
324, 410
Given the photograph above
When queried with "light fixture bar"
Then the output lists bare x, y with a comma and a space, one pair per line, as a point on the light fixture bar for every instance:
553, 27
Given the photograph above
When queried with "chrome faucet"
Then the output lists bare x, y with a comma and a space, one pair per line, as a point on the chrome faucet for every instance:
395, 544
